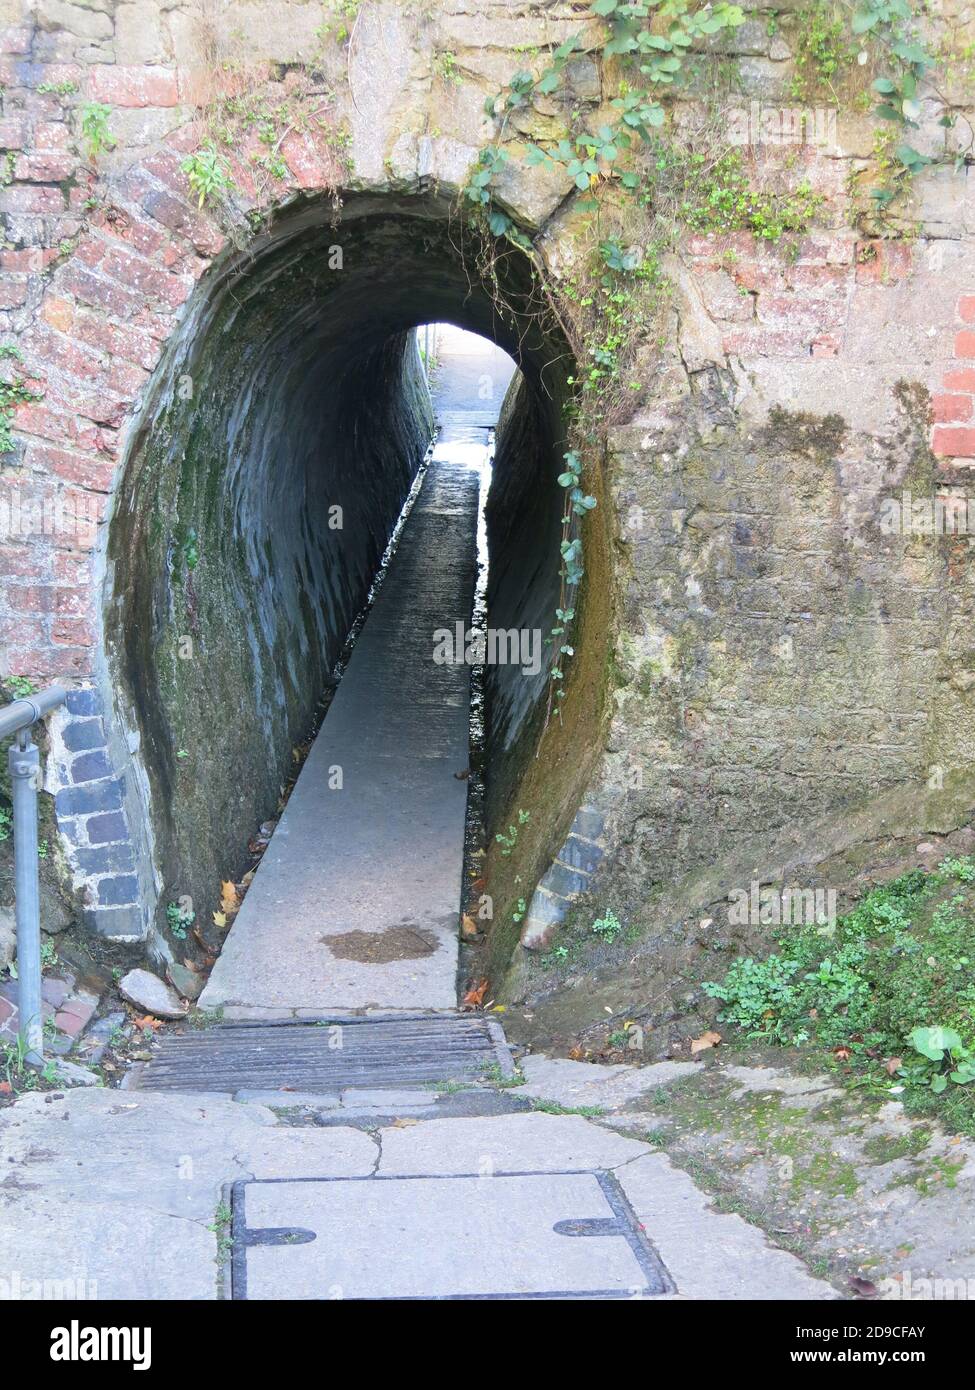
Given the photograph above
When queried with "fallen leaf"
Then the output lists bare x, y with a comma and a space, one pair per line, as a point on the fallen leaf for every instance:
842, 1054
863, 1287
474, 997
468, 926
893, 1065
229, 901
5, 1088
576, 1053
403, 1122
705, 1041
220, 919
479, 885
148, 1022
248, 878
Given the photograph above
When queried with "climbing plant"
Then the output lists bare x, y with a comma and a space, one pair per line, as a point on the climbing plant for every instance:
13, 392
651, 43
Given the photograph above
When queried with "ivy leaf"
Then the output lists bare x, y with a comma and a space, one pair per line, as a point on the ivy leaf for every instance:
565, 50
863, 21
911, 158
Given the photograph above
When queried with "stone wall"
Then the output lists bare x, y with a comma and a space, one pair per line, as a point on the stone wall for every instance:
775, 655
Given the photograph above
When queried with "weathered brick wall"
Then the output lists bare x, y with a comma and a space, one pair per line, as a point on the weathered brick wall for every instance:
754, 533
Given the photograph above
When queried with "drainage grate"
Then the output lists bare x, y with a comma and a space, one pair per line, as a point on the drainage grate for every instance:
326, 1056
509, 1236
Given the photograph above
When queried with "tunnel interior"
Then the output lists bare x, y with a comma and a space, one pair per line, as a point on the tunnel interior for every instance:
274, 454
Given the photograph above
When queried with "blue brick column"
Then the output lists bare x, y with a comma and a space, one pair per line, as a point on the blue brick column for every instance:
92, 818
567, 879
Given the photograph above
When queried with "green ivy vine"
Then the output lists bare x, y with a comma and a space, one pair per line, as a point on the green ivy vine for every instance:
652, 42
13, 391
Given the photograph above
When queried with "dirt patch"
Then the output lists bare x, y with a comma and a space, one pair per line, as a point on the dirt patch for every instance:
380, 947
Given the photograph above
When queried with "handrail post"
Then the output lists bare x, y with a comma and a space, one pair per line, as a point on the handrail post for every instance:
24, 761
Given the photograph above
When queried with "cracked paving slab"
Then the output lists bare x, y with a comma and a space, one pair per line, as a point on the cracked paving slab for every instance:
120, 1193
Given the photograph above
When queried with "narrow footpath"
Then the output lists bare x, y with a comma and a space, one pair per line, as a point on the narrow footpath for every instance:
355, 904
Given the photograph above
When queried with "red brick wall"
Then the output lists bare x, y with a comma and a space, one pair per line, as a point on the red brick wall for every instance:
953, 407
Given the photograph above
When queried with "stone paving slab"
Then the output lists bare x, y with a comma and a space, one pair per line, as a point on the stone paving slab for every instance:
583, 1084
381, 856
533, 1142
122, 1193
710, 1254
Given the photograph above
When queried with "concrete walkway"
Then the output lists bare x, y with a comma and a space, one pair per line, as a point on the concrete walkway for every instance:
356, 900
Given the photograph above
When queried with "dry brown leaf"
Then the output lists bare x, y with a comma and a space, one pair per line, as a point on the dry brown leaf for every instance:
842, 1054
403, 1122
474, 997
863, 1287
894, 1065
706, 1040
468, 926
229, 900
577, 1053
220, 920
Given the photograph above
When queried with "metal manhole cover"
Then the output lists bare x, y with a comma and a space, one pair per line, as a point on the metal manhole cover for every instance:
511, 1235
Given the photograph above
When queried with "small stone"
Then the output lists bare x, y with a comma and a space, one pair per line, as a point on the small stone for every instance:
148, 992
189, 984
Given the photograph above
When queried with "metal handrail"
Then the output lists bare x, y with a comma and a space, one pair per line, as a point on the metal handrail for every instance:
24, 762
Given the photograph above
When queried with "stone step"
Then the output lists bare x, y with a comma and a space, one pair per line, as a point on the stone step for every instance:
328, 1058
